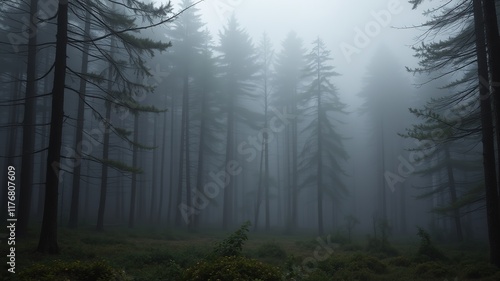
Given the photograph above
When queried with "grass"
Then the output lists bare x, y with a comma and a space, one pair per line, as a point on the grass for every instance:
161, 254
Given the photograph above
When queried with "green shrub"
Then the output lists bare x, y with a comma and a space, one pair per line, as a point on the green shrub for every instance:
399, 261
355, 263
271, 250
426, 249
431, 270
479, 270
359, 262
74, 271
169, 271
232, 268
333, 264
232, 245
317, 275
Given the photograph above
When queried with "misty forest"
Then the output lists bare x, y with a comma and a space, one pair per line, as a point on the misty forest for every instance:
250, 140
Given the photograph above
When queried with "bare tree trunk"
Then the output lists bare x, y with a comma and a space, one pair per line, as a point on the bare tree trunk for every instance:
154, 182
490, 177
26, 184
453, 194
201, 148
105, 149
162, 164
178, 216
75, 195
259, 191
48, 234
227, 210
320, 158
133, 190
171, 168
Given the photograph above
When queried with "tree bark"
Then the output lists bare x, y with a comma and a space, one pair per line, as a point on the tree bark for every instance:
320, 158
490, 177
75, 193
154, 181
453, 194
48, 234
133, 190
26, 184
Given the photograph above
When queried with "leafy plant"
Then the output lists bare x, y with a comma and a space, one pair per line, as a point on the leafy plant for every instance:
426, 249
232, 245
431, 270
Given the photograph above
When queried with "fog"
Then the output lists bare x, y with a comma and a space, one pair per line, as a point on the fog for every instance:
359, 121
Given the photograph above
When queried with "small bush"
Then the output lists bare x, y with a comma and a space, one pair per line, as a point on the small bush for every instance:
75, 271
372, 264
399, 261
169, 271
355, 263
426, 249
232, 245
232, 268
479, 270
317, 275
431, 270
333, 264
271, 250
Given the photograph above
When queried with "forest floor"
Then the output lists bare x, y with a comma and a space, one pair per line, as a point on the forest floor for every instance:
154, 254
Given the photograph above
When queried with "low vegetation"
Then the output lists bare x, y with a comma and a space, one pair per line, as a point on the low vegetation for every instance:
142, 254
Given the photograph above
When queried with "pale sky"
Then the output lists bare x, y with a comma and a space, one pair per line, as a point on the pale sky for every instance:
342, 24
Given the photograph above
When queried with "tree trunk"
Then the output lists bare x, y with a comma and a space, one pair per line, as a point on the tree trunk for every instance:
320, 158
259, 190
162, 164
178, 216
493, 43
490, 177
453, 194
26, 184
75, 193
154, 182
227, 209
171, 168
133, 189
48, 234
187, 146
201, 150
105, 150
